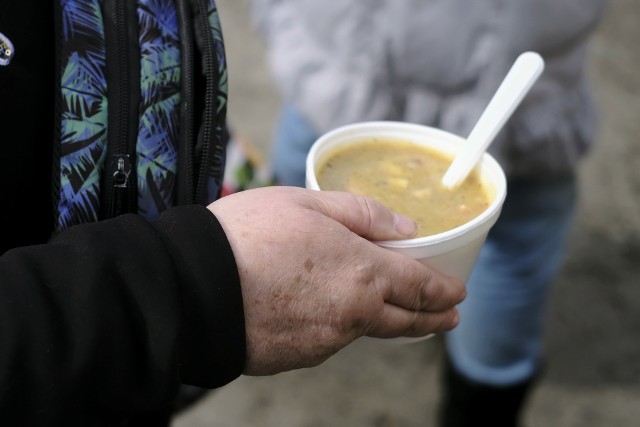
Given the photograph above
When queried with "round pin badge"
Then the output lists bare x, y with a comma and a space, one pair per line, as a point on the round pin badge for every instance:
6, 50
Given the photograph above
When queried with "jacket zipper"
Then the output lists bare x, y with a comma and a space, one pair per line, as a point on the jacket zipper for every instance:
185, 193
211, 146
119, 191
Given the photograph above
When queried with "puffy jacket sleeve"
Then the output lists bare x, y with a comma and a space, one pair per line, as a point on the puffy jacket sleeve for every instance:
107, 319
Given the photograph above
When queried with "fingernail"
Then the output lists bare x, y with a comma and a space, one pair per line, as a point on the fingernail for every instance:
404, 225
456, 318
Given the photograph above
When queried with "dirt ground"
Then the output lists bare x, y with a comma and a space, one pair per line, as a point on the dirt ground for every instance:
592, 374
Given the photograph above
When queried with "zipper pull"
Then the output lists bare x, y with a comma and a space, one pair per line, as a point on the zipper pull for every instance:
120, 202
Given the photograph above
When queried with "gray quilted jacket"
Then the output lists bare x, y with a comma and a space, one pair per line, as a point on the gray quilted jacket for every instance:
438, 62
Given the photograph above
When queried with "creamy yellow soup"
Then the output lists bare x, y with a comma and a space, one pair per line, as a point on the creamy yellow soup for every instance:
405, 177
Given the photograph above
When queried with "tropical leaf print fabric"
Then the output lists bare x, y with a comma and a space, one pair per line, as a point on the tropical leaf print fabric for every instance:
84, 112
160, 104
83, 107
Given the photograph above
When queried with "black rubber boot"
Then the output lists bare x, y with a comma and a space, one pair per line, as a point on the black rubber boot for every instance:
466, 403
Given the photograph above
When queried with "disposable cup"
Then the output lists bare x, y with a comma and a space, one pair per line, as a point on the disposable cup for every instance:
453, 252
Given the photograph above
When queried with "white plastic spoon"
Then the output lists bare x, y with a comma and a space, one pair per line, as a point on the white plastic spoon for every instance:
523, 74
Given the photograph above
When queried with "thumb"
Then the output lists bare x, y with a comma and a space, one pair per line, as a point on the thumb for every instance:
364, 216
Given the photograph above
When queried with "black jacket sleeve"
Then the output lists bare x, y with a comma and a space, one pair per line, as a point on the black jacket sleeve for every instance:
107, 319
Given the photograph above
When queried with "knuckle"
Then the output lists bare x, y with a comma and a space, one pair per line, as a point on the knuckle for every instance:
368, 212
431, 290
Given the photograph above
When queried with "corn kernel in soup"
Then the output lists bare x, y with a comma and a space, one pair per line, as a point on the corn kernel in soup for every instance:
405, 177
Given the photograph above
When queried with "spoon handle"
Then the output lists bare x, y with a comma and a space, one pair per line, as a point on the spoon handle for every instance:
523, 74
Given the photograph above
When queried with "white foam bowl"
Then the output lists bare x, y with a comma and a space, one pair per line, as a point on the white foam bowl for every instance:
453, 252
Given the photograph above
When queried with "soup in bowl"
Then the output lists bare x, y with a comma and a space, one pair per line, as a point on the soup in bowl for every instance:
405, 177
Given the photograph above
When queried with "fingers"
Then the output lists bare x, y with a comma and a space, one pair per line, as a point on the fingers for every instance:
414, 286
418, 300
397, 321
364, 216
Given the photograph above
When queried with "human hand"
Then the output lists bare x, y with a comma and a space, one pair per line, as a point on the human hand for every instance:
313, 282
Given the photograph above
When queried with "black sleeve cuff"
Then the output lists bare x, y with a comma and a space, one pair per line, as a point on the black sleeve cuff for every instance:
213, 347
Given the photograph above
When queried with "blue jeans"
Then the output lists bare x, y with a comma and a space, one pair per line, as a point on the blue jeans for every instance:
499, 339
294, 137
500, 335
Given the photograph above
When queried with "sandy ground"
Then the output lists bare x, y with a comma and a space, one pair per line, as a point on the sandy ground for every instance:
593, 346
